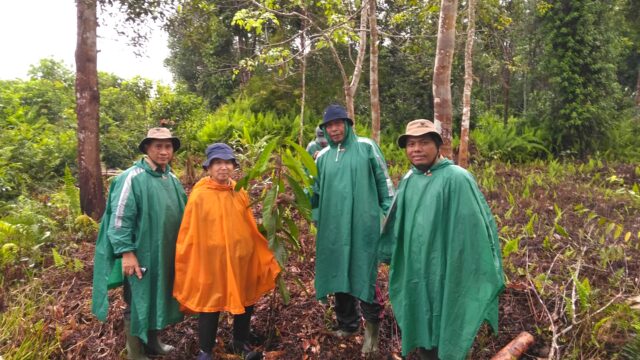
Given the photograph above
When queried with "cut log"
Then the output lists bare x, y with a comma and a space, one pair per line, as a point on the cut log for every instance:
515, 348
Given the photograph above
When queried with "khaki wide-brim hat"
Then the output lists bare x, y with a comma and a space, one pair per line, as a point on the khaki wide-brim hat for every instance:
418, 127
159, 133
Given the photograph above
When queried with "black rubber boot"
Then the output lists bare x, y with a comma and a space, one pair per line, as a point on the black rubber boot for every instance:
155, 346
134, 346
244, 350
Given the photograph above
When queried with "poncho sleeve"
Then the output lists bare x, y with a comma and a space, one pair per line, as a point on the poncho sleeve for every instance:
383, 181
123, 217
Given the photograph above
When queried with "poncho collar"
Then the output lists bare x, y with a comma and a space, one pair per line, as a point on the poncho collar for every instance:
209, 183
439, 165
154, 172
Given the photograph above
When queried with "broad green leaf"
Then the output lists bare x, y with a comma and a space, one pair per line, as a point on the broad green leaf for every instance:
263, 160
303, 204
307, 160
293, 228
291, 239
294, 166
284, 292
269, 211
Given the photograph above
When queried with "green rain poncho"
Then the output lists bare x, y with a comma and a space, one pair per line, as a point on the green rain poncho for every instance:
445, 262
312, 147
143, 214
351, 193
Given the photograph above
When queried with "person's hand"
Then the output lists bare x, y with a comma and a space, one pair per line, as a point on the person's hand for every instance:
315, 154
130, 265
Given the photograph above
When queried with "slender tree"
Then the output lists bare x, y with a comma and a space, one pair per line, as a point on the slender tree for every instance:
638, 90
463, 152
443, 109
303, 70
373, 72
87, 104
329, 35
350, 89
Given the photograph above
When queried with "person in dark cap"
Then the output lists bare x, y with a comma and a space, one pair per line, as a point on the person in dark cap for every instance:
136, 245
441, 242
319, 143
223, 263
352, 193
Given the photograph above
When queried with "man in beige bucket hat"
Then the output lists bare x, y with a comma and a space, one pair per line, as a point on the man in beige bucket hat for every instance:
136, 245
441, 243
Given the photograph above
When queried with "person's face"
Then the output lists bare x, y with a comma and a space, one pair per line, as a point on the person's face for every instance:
421, 150
335, 130
220, 170
160, 151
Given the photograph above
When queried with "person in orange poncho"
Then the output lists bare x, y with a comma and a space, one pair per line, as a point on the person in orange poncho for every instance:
223, 263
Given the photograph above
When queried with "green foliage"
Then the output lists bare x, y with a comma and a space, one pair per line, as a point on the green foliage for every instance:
237, 119
72, 193
623, 139
512, 142
23, 320
580, 46
284, 172
631, 350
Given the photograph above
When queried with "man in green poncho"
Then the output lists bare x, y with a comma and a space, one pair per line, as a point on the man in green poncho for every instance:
441, 242
317, 144
139, 231
352, 193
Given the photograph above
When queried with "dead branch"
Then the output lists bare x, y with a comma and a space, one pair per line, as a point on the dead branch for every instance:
515, 348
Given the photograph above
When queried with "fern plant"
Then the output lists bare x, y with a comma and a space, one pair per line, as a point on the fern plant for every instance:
498, 141
631, 350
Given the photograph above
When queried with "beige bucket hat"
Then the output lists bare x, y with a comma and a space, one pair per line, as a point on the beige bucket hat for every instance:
417, 128
159, 133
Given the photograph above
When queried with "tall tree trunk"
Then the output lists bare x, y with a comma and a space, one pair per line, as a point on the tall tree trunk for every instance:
303, 47
463, 152
87, 105
638, 90
443, 111
373, 73
506, 82
350, 89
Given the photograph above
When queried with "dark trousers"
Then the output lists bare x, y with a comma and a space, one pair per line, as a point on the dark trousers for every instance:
347, 314
208, 327
126, 294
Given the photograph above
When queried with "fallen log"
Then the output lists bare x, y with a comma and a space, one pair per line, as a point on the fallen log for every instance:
515, 348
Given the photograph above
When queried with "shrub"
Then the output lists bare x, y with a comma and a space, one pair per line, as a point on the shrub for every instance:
512, 142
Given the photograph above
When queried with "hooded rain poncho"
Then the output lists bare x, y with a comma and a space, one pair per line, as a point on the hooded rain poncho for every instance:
352, 193
223, 263
445, 262
143, 214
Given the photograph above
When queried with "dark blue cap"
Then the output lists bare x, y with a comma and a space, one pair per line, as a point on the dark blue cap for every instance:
335, 112
219, 151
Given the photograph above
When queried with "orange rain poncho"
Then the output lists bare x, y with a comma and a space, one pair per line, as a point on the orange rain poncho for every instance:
223, 263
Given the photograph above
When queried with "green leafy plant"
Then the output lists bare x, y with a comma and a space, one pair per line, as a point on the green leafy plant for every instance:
284, 172
495, 140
